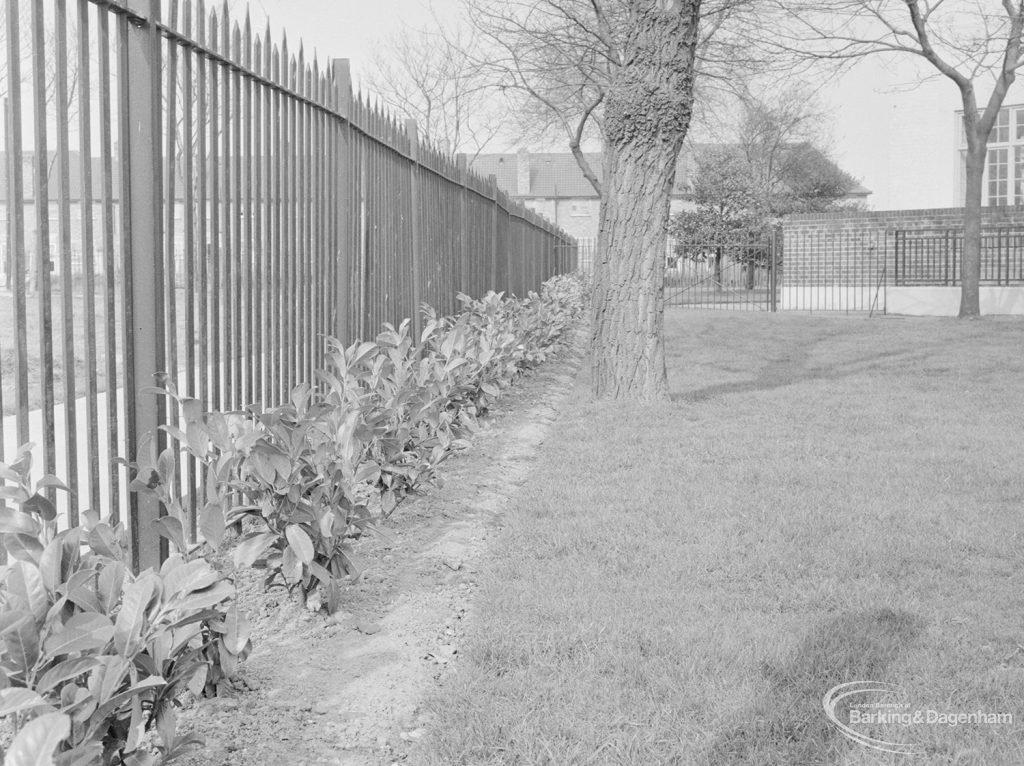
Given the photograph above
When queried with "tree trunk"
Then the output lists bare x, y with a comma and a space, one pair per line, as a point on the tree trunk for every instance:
970, 263
628, 351
647, 114
718, 268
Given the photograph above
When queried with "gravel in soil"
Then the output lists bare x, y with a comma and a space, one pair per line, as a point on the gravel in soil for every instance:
346, 689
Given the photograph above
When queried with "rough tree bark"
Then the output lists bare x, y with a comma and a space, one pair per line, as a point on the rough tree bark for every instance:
970, 265
647, 113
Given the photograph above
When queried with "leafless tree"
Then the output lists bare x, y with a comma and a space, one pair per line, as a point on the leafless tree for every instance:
431, 76
25, 51
975, 45
780, 131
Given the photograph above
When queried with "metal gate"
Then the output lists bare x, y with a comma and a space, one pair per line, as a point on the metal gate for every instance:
736, 275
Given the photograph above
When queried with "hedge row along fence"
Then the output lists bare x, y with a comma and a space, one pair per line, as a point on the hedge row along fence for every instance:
95, 657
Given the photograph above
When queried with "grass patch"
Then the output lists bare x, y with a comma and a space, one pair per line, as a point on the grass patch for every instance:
827, 499
79, 324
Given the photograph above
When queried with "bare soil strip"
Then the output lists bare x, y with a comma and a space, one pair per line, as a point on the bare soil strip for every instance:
346, 689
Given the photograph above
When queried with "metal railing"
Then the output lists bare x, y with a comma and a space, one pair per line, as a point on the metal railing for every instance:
925, 257
238, 204
740, 275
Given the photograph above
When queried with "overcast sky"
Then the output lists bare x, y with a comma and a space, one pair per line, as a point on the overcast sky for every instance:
869, 111
344, 28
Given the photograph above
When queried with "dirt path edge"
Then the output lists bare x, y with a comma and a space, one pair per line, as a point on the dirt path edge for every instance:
347, 689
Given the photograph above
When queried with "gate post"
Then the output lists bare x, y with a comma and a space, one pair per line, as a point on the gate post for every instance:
144, 324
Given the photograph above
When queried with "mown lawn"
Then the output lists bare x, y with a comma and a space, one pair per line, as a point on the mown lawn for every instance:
827, 499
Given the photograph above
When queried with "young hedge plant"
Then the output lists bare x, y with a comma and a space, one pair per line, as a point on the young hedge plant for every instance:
306, 478
94, 656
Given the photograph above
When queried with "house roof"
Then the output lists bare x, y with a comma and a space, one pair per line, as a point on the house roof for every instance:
552, 174
557, 174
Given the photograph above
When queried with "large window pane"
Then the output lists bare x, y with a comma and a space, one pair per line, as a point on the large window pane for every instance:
998, 176
1001, 131
1018, 175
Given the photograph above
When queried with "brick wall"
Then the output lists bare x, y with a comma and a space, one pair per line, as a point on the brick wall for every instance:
579, 217
853, 247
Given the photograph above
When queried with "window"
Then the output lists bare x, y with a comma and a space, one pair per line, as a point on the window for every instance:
579, 209
1000, 133
998, 176
1018, 174
1001, 130
1003, 182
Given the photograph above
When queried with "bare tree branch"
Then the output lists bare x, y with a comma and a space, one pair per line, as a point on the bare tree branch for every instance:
969, 43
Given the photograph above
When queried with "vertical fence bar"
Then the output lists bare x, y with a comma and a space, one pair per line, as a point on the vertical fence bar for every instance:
16, 224
144, 288
227, 255
61, 98
251, 362
266, 271
170, 361
41, 196
202, 235
261, 300
88, 254
190, 250
345, 208
302, 317
309, 232
364, 239
492, 273
325, 153
416, 224
109, 258
234, 254
464, 284
213, 248
287, 226
276, 158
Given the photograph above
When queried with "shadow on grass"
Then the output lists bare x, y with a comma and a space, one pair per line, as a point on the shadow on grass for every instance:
793, 368
787, 725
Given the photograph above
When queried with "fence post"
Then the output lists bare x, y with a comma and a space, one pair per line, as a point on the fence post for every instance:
492, 189
144, 299
773, 271
344, 183
464, 282
414, 185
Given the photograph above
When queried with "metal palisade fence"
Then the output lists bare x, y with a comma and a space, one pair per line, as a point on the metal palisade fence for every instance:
184, 197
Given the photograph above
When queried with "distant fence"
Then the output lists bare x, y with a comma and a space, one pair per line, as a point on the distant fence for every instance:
243, 204
854, 260
827, 269
585, 251
932, 257
736, 274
